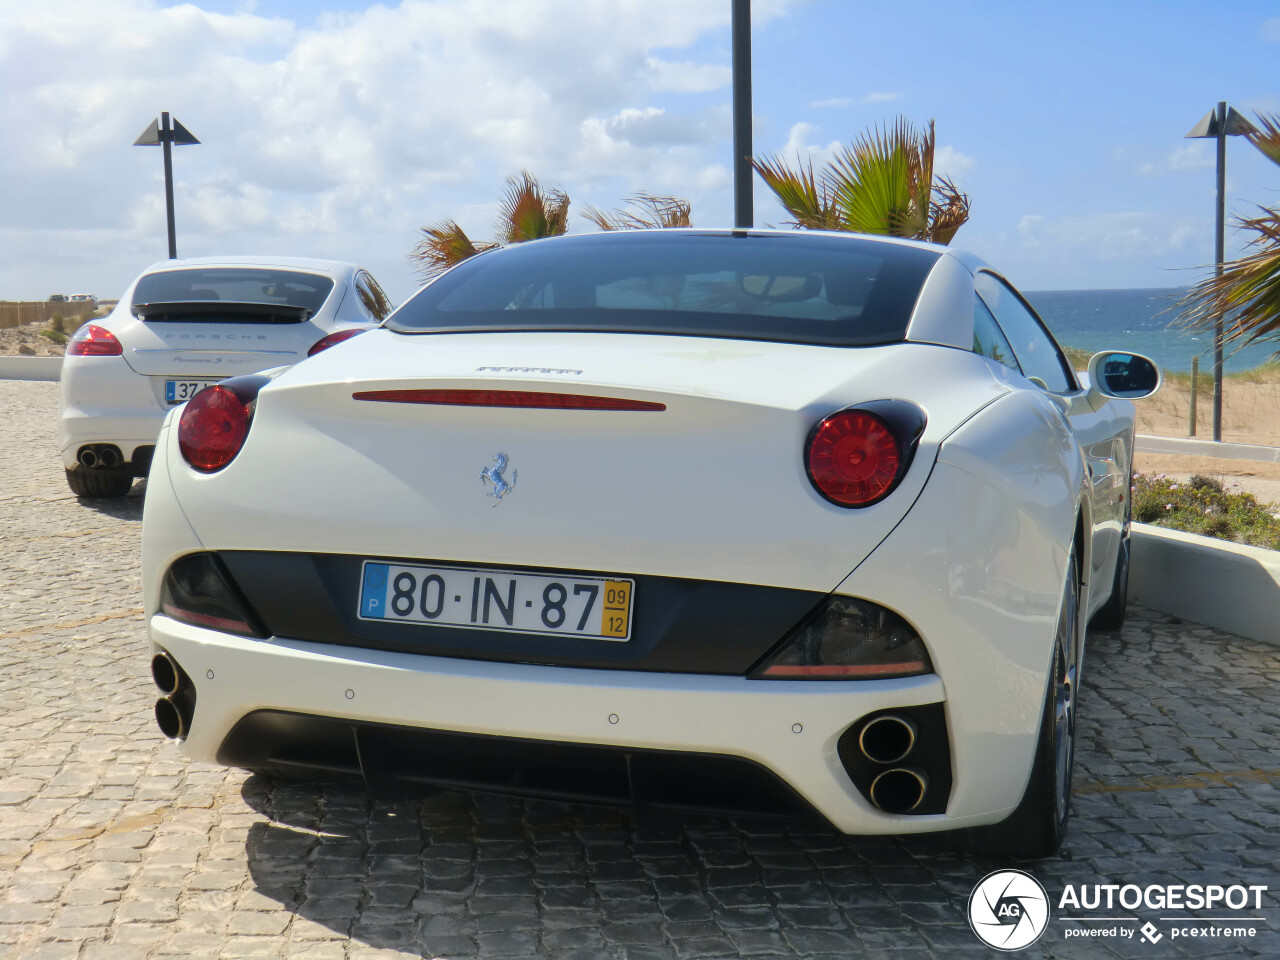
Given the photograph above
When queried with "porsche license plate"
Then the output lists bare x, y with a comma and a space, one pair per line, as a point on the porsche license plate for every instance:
180, 391
597, 608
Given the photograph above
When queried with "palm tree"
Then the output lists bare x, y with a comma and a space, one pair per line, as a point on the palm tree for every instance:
883, 182
527, 212
1247, 292
651, 213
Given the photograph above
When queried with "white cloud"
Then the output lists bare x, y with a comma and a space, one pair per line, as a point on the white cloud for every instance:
343, 137
882, 97
1195, 155
951, 163
831, 102
1271, 30
1190, 156
1115, 236
687, 77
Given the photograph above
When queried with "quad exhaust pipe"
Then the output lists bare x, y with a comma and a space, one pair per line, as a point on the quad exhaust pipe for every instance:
899, 790
887, 739
104, 455
175, 709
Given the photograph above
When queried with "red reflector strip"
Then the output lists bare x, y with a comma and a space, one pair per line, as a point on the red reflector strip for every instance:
204, 620
843, 670
507, 398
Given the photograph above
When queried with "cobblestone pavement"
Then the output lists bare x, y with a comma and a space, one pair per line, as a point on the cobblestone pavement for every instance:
113, 846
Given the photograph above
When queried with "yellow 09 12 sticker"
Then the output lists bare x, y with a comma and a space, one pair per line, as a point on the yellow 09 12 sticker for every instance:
617, 608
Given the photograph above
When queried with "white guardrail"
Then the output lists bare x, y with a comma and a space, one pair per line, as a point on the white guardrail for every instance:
30, 368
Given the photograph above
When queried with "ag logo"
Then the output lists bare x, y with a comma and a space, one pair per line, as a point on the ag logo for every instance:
1008, 910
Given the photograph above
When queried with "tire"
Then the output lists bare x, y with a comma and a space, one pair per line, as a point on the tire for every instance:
1110, 615
100, 484
1036, 828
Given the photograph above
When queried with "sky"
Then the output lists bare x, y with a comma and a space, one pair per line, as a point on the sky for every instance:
339, 128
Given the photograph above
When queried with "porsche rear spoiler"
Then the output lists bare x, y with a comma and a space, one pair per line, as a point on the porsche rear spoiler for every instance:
221, 311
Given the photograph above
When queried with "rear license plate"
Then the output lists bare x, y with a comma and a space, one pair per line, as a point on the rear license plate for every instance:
180, 391
597, 608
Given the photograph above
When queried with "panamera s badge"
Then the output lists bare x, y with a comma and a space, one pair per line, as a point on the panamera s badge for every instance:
494, 476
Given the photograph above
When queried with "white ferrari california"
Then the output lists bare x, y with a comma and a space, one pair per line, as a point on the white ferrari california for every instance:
748, 521
183, 326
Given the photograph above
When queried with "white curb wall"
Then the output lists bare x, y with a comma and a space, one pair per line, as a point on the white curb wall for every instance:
30, 368
1224, 585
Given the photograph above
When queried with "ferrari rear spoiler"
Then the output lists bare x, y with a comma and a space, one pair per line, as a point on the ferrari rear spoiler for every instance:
221, 311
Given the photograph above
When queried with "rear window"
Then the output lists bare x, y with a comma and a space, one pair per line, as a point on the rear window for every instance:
289, 288
802, 288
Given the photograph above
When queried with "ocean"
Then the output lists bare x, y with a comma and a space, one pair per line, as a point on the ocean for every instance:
1136, 320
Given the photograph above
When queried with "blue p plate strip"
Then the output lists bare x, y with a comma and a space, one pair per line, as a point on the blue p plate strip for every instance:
373, 596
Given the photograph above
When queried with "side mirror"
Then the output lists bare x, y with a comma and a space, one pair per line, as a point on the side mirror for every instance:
1128, 376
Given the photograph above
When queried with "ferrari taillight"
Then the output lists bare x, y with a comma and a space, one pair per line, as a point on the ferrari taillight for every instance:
853, 458
212, 428
92, 340
333, 339
848, 639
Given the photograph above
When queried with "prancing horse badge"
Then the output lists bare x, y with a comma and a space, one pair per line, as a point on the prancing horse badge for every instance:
494, 475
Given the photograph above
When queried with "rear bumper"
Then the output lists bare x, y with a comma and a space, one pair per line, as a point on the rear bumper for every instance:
104, 402
790, 729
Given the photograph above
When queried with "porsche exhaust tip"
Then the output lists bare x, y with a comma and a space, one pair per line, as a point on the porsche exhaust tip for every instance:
170, 719
88, 457
899, 790
887, 739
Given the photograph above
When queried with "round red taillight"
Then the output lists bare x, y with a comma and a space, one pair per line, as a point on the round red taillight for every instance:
324, 343
853, 458
212, 428
92, 340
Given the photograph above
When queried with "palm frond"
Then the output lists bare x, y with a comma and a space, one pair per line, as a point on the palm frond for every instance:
799, 192
442, 247
948, 211
1267, 140
1247, 292
870, 182
651, 213
528, 212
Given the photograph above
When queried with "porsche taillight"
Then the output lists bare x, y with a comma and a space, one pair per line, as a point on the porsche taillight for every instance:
855, 457
332, 339
92, 340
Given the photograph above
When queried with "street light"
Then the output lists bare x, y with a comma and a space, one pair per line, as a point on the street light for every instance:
161, 134
1219, 124
743, 215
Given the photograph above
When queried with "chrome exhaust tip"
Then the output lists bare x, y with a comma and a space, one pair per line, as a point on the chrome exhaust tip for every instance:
899, 790
88, 457
109, 456
887, 739
165, 673
170, 719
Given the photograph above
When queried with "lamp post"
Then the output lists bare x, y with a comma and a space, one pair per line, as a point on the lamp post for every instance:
743, 215
161, 134
1220, 123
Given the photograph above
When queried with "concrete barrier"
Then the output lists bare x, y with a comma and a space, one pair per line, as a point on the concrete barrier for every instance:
1224, 585
30, 368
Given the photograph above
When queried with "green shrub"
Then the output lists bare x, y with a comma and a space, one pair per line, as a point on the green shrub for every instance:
1204, 505
56, 335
